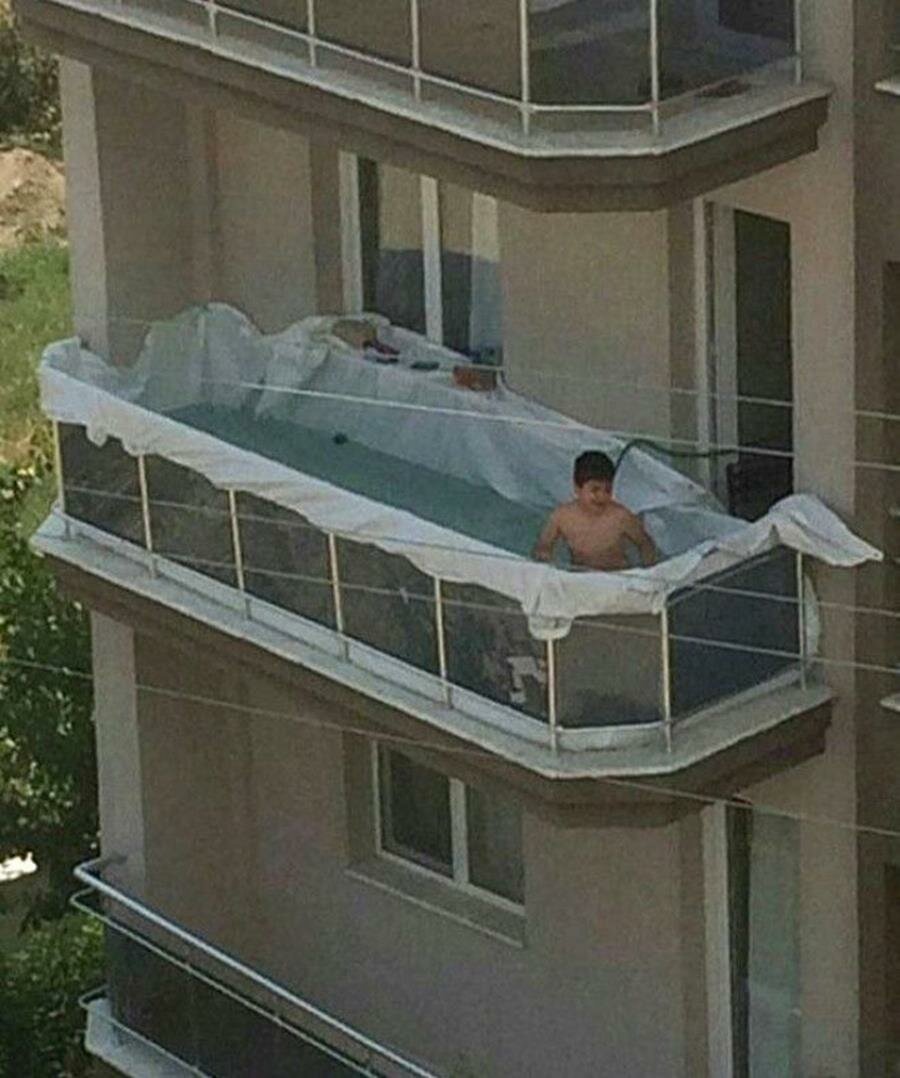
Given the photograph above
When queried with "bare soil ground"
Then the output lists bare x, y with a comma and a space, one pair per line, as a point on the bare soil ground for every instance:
32, 198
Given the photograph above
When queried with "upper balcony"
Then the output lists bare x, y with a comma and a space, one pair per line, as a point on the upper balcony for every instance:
372, 521
554, 104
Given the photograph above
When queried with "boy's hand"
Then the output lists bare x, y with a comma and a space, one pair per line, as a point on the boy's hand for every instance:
543, 548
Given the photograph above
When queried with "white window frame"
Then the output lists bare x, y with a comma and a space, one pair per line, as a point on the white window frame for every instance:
459, 841
485, 211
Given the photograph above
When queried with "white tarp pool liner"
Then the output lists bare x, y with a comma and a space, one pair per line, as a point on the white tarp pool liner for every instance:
523, 451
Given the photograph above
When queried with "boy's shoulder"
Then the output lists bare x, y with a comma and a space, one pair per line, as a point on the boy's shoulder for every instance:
566, 509
622, 510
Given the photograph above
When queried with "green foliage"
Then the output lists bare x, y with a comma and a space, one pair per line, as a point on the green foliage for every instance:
48, 791
29, 89
34, 308
41, 1023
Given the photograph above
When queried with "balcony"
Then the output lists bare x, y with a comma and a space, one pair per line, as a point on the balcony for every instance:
555, 104
177, 1005
408, 584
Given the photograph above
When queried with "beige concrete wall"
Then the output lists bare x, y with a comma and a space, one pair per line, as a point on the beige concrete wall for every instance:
248, 842
266, 251
815, 195
878, 641
586, 315
129, 207
172, 203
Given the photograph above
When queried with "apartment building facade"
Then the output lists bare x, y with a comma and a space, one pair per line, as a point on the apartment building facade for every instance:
358, 814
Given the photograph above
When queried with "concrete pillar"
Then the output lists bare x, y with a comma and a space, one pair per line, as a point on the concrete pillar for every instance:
130, 207
118, 748
266, 259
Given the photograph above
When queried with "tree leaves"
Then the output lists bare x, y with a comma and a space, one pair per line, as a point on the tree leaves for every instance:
48, 786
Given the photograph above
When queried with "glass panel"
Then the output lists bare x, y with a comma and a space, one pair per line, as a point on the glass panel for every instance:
391, 228
491, 651
261, 43
388, 604
290, 13
415, 811
150, 995
285, 559
608, 672
473, 43
101, 484
201, 1025
494, 827
232, 1040
470, 273
377, 27
751, 637
764, 364
713, 40
589, 52
189, 520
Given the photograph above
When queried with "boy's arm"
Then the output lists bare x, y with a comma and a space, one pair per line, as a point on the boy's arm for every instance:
551, 532
637, 533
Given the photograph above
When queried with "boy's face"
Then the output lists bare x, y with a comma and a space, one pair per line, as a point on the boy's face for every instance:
594, 493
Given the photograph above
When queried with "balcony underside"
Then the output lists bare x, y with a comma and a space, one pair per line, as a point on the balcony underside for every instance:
722, 751
717, 140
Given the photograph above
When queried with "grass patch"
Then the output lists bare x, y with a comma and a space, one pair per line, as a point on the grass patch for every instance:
35, 308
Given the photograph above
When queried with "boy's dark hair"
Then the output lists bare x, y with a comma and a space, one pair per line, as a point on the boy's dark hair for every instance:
594, 465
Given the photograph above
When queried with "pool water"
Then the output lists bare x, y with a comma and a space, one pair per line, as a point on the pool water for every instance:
471, 509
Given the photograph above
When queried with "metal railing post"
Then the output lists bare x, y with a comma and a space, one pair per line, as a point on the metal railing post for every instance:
525, 66
60, 485
211, 15
801, 620
441, 640
798, 41
654, 63
336, 593
238, 550
552, 704
145, 511
416, 43
665, 677
311, 30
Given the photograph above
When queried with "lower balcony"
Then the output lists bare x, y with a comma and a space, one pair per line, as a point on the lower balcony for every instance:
175, 1005
325, 505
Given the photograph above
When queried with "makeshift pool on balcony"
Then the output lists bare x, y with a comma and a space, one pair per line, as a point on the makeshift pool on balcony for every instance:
390, 510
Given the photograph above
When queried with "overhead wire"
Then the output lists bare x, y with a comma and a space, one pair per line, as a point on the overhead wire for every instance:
701, 446
656, 787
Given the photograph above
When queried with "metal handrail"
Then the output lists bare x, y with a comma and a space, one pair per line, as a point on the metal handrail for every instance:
87, 873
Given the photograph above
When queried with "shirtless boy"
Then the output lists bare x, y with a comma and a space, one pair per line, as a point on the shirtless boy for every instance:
596, 528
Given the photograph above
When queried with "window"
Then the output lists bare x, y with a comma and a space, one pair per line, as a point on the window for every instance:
429, 257
391, 238
751, 369
764, 18
445, 827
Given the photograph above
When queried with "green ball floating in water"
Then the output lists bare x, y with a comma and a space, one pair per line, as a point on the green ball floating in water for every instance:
340, 438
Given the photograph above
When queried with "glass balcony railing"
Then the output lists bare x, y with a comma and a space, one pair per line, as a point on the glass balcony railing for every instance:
174, 998
526, 67
611, 680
